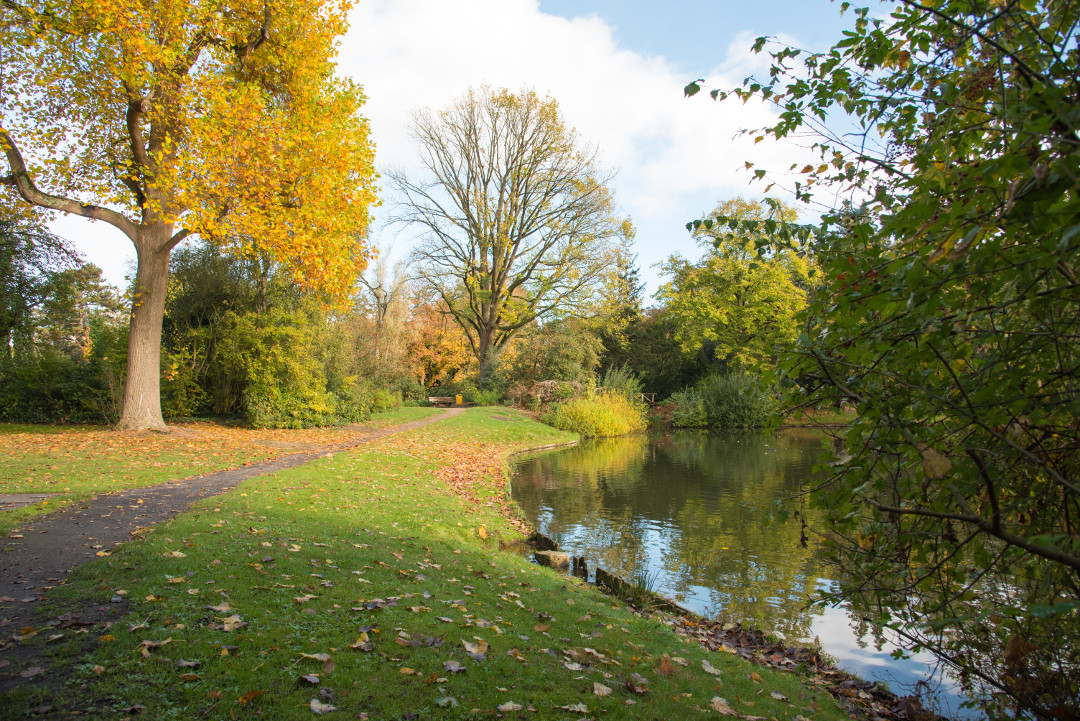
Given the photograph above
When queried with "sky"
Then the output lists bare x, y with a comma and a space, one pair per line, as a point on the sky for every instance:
617, 69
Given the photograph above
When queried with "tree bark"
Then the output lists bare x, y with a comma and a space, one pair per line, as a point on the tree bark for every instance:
142, 387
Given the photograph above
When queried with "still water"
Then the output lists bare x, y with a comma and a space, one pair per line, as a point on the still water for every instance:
692, 511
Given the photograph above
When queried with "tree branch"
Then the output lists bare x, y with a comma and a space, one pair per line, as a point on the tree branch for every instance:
24, 184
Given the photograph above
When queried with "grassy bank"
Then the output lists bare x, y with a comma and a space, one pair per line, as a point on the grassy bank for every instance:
76, 462
373, 581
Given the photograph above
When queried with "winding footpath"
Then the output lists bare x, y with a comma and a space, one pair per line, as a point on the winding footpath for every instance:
54, 544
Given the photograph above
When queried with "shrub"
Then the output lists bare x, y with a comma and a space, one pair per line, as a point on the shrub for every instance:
490, 397
732, 400
622, 380
600, 415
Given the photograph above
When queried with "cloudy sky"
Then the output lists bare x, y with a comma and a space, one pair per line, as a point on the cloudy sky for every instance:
617, 68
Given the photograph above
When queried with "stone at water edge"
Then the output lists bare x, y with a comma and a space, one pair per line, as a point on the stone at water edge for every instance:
558, 560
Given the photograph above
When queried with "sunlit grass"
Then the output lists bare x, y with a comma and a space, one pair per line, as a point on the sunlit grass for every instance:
77, 462
413, 523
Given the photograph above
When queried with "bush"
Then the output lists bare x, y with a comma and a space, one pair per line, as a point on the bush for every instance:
385, 400
490, 397
622, 380
732, 400
601, 415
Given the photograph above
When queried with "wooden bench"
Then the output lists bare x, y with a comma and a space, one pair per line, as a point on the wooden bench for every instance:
441, 400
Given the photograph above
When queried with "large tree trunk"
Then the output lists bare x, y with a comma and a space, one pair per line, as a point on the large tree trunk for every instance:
142, 388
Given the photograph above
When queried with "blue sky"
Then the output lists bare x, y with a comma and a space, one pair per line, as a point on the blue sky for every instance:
694, 33
617, 70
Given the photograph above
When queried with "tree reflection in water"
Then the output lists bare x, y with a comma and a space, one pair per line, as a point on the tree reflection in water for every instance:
698, 508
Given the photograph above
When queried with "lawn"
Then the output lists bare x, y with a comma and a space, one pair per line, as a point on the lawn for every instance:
76, 462
382, 583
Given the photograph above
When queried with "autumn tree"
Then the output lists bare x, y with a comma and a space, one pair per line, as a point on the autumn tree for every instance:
171, 119
516, 218
744, 307
948, 313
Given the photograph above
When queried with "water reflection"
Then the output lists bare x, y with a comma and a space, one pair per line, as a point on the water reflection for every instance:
697, 512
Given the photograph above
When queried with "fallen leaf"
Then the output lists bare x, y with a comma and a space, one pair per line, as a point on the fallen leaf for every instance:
755, 677
319, 708
231, 623
221, 607
778, 696
637, 683
156, 644
600, 689
31, 672
509, 706
481, 646
453, 666
576, 707
249, 697
446, 701
709, 668
324, 657
665, 668
309, 678
721, 705
408, 671
190, 677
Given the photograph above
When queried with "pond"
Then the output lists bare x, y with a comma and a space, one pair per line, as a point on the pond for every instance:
694, 514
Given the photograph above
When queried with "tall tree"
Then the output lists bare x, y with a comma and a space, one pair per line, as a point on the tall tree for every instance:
174, 118
516, 215
949, 313
744, 306
30, 257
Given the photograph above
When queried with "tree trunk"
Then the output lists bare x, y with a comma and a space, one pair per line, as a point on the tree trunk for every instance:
142, 388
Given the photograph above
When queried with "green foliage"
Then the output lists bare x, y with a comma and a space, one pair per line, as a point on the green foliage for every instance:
560, 351
948, 314
653, 352
730, 400
487, 398
600, 415
621, 380
240, 340
743, 303
61, 328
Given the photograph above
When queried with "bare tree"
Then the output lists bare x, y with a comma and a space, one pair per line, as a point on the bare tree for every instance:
517, 219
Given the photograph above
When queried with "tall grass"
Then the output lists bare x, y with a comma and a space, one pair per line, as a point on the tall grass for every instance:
602, 414
732, 400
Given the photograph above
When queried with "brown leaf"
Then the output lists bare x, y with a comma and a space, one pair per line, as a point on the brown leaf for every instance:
509, 706
249, 697
600, 689
637, 683
324, 657
31, 672
665, 668
309, 678
778, 696
709, 668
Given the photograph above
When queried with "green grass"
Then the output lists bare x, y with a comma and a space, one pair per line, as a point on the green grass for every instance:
77, 462
300, 555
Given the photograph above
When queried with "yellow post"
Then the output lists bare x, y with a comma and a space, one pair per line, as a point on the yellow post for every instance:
459, 399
